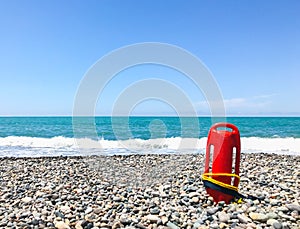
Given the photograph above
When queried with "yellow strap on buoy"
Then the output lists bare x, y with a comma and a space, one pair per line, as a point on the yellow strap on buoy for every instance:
208, 177
240, 200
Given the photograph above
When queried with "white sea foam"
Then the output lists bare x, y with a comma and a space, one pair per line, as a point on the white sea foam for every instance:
55, 142
33, 147
271, 145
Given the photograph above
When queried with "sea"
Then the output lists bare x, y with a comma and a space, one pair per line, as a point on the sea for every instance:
84, 136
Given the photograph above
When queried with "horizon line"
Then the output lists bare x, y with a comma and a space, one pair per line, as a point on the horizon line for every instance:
296, 115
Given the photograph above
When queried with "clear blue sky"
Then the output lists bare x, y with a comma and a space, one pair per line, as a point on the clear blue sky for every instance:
251, 47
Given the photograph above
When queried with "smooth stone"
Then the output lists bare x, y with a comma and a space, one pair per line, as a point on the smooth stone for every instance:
295, 214
288, 217
34, 222
277, 225
192, 189
61, 225
153, 218
251, 209
193, 194
274, 202
258, 217
293, 207
97, 210
49, 224
223, 225
65, 209
214, 226
272, 221
26, 199
283, 209
231, 208
243, 218
88, 210
89, 226
36, 215
285, 225
223, 217
212, 211
251, 225
172, 225
272, 215
195, 199
117, 199
125, 220
154, 211
256, 202
25, 214
59, 214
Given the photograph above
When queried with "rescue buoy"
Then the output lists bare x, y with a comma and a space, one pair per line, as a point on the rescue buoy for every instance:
222, 162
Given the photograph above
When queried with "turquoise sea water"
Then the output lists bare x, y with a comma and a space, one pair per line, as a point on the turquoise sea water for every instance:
52, 136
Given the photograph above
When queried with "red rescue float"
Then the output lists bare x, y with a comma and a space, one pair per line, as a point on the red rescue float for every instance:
221, 178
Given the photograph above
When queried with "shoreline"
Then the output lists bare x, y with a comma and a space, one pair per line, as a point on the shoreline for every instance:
144, 191
149, 153
173, 153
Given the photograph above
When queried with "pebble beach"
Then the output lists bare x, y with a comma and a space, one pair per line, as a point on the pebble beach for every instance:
144, 191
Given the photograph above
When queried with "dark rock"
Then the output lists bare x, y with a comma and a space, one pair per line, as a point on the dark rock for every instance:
35, 222
154, 211
59, 214
89, 226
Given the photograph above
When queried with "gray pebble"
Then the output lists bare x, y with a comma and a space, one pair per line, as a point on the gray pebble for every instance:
243, 218
154, 211
293, 207
172, 225
277, 225
212, 211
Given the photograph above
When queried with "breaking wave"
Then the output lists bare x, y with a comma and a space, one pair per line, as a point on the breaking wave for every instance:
13, 146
